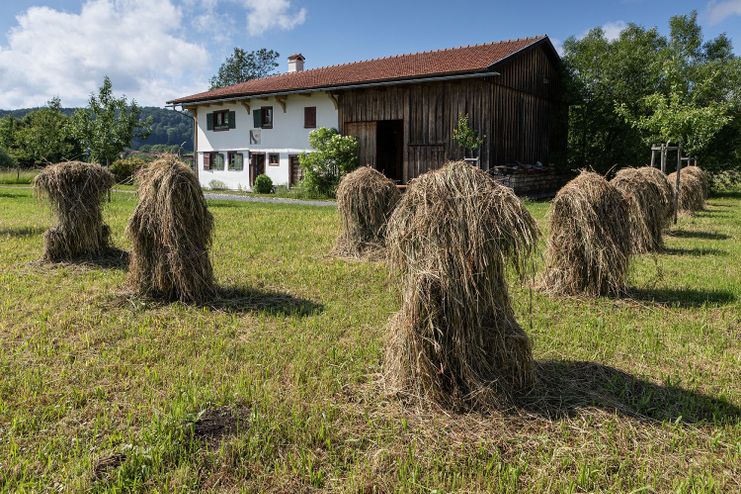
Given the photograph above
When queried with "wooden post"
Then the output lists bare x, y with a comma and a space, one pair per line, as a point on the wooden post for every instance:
663, 157
676, 185
653, 157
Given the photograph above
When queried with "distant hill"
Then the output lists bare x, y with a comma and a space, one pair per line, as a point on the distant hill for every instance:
169, 127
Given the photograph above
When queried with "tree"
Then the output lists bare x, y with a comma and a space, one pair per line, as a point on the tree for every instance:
466, 137
243, 66
334, 155
108, 125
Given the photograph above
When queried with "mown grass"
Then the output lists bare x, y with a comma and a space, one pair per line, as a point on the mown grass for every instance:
101, 393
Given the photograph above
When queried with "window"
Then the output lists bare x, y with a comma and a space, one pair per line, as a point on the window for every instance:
206, 161
263, 117
236, 161
274, 159
221, 120
217, 161
310, 117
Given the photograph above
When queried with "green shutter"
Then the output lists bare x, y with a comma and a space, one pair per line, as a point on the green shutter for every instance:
232, 120
257, 116
209, 121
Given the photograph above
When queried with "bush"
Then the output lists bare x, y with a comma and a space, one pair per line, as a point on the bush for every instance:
263, 185
6, 161
217, 185
334, 156
125, 169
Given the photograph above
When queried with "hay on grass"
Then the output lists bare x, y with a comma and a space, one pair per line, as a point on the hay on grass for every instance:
365, 201
666, 191
646, 209
590, 241
456, 341
170, 230
691, 195
701, 175
76, 192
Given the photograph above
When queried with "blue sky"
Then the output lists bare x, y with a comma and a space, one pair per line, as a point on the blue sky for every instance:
155, 50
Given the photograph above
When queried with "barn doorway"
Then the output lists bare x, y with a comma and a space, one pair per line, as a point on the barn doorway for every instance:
390, 149
257, 166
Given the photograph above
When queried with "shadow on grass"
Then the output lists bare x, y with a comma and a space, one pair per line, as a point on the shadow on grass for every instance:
698, 235
11, 195
112, 258
681, 297
247, 299
731, 194
565, 387
222, 204
694, 252
21, 231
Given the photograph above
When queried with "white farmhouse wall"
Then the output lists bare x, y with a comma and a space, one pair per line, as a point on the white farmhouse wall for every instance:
287, 137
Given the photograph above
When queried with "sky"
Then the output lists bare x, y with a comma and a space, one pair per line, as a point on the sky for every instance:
156, 50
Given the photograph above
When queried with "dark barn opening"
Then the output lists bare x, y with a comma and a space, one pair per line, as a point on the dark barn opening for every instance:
390, 149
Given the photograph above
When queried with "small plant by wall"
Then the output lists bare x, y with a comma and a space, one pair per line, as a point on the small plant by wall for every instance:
263, 185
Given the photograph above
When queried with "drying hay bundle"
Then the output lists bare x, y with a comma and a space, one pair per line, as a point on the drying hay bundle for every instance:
590, 242
455, 340
646, 209
76, 192
691, 196
365, 201
701, 175
171, 235
666, 191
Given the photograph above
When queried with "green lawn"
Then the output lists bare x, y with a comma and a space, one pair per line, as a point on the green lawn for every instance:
100, 393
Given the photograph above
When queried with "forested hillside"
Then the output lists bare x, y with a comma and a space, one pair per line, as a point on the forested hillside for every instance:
169, 127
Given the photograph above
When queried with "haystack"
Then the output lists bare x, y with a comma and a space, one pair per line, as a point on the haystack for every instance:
455, 340
171, 235
691, 195
365, 201
76, 192
666, 191
701, 175
646, 209
590, 243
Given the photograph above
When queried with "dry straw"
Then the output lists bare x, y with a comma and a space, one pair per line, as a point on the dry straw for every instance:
455, 341
171, 235
646, 209
365, 200
691, 191
76, 192
701, 175
590, 241
666, 191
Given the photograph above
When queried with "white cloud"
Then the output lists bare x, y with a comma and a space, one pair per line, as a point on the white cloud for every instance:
135, 42
558, 45
717, 12
263, 15
611, 29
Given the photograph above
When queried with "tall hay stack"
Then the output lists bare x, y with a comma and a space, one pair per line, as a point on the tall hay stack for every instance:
455, 340
666, 191
701, 175
365, 201
171, 234
590, 241
691, 195
646, 209
76, 192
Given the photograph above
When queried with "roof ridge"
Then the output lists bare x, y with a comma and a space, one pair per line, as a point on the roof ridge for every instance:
389, 57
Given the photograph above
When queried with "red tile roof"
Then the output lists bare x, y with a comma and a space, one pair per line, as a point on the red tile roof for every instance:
453, 61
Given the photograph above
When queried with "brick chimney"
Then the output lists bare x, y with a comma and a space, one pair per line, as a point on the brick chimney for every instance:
296, 63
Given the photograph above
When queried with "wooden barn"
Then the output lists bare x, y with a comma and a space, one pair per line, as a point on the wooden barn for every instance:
402, 110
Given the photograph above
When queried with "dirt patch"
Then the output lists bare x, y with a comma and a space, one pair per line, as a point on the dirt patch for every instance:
213, 424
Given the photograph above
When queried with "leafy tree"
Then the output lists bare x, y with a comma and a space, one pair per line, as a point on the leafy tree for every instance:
334, 155
6, 161
243, 66
108, 125
465, 136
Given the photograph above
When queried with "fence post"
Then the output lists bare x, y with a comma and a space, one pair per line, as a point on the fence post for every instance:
677, 183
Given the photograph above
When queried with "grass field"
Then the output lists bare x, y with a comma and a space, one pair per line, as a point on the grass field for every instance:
280, 389
13, 176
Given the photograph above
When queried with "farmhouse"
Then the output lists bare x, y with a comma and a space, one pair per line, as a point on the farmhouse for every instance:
402, 109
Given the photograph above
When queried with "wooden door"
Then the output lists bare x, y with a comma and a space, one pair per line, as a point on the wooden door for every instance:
295, 173
257, 166
365, 133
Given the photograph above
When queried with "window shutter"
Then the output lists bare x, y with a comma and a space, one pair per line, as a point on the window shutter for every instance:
207, 156
310, 117
257, 116
232, 120
209, 121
